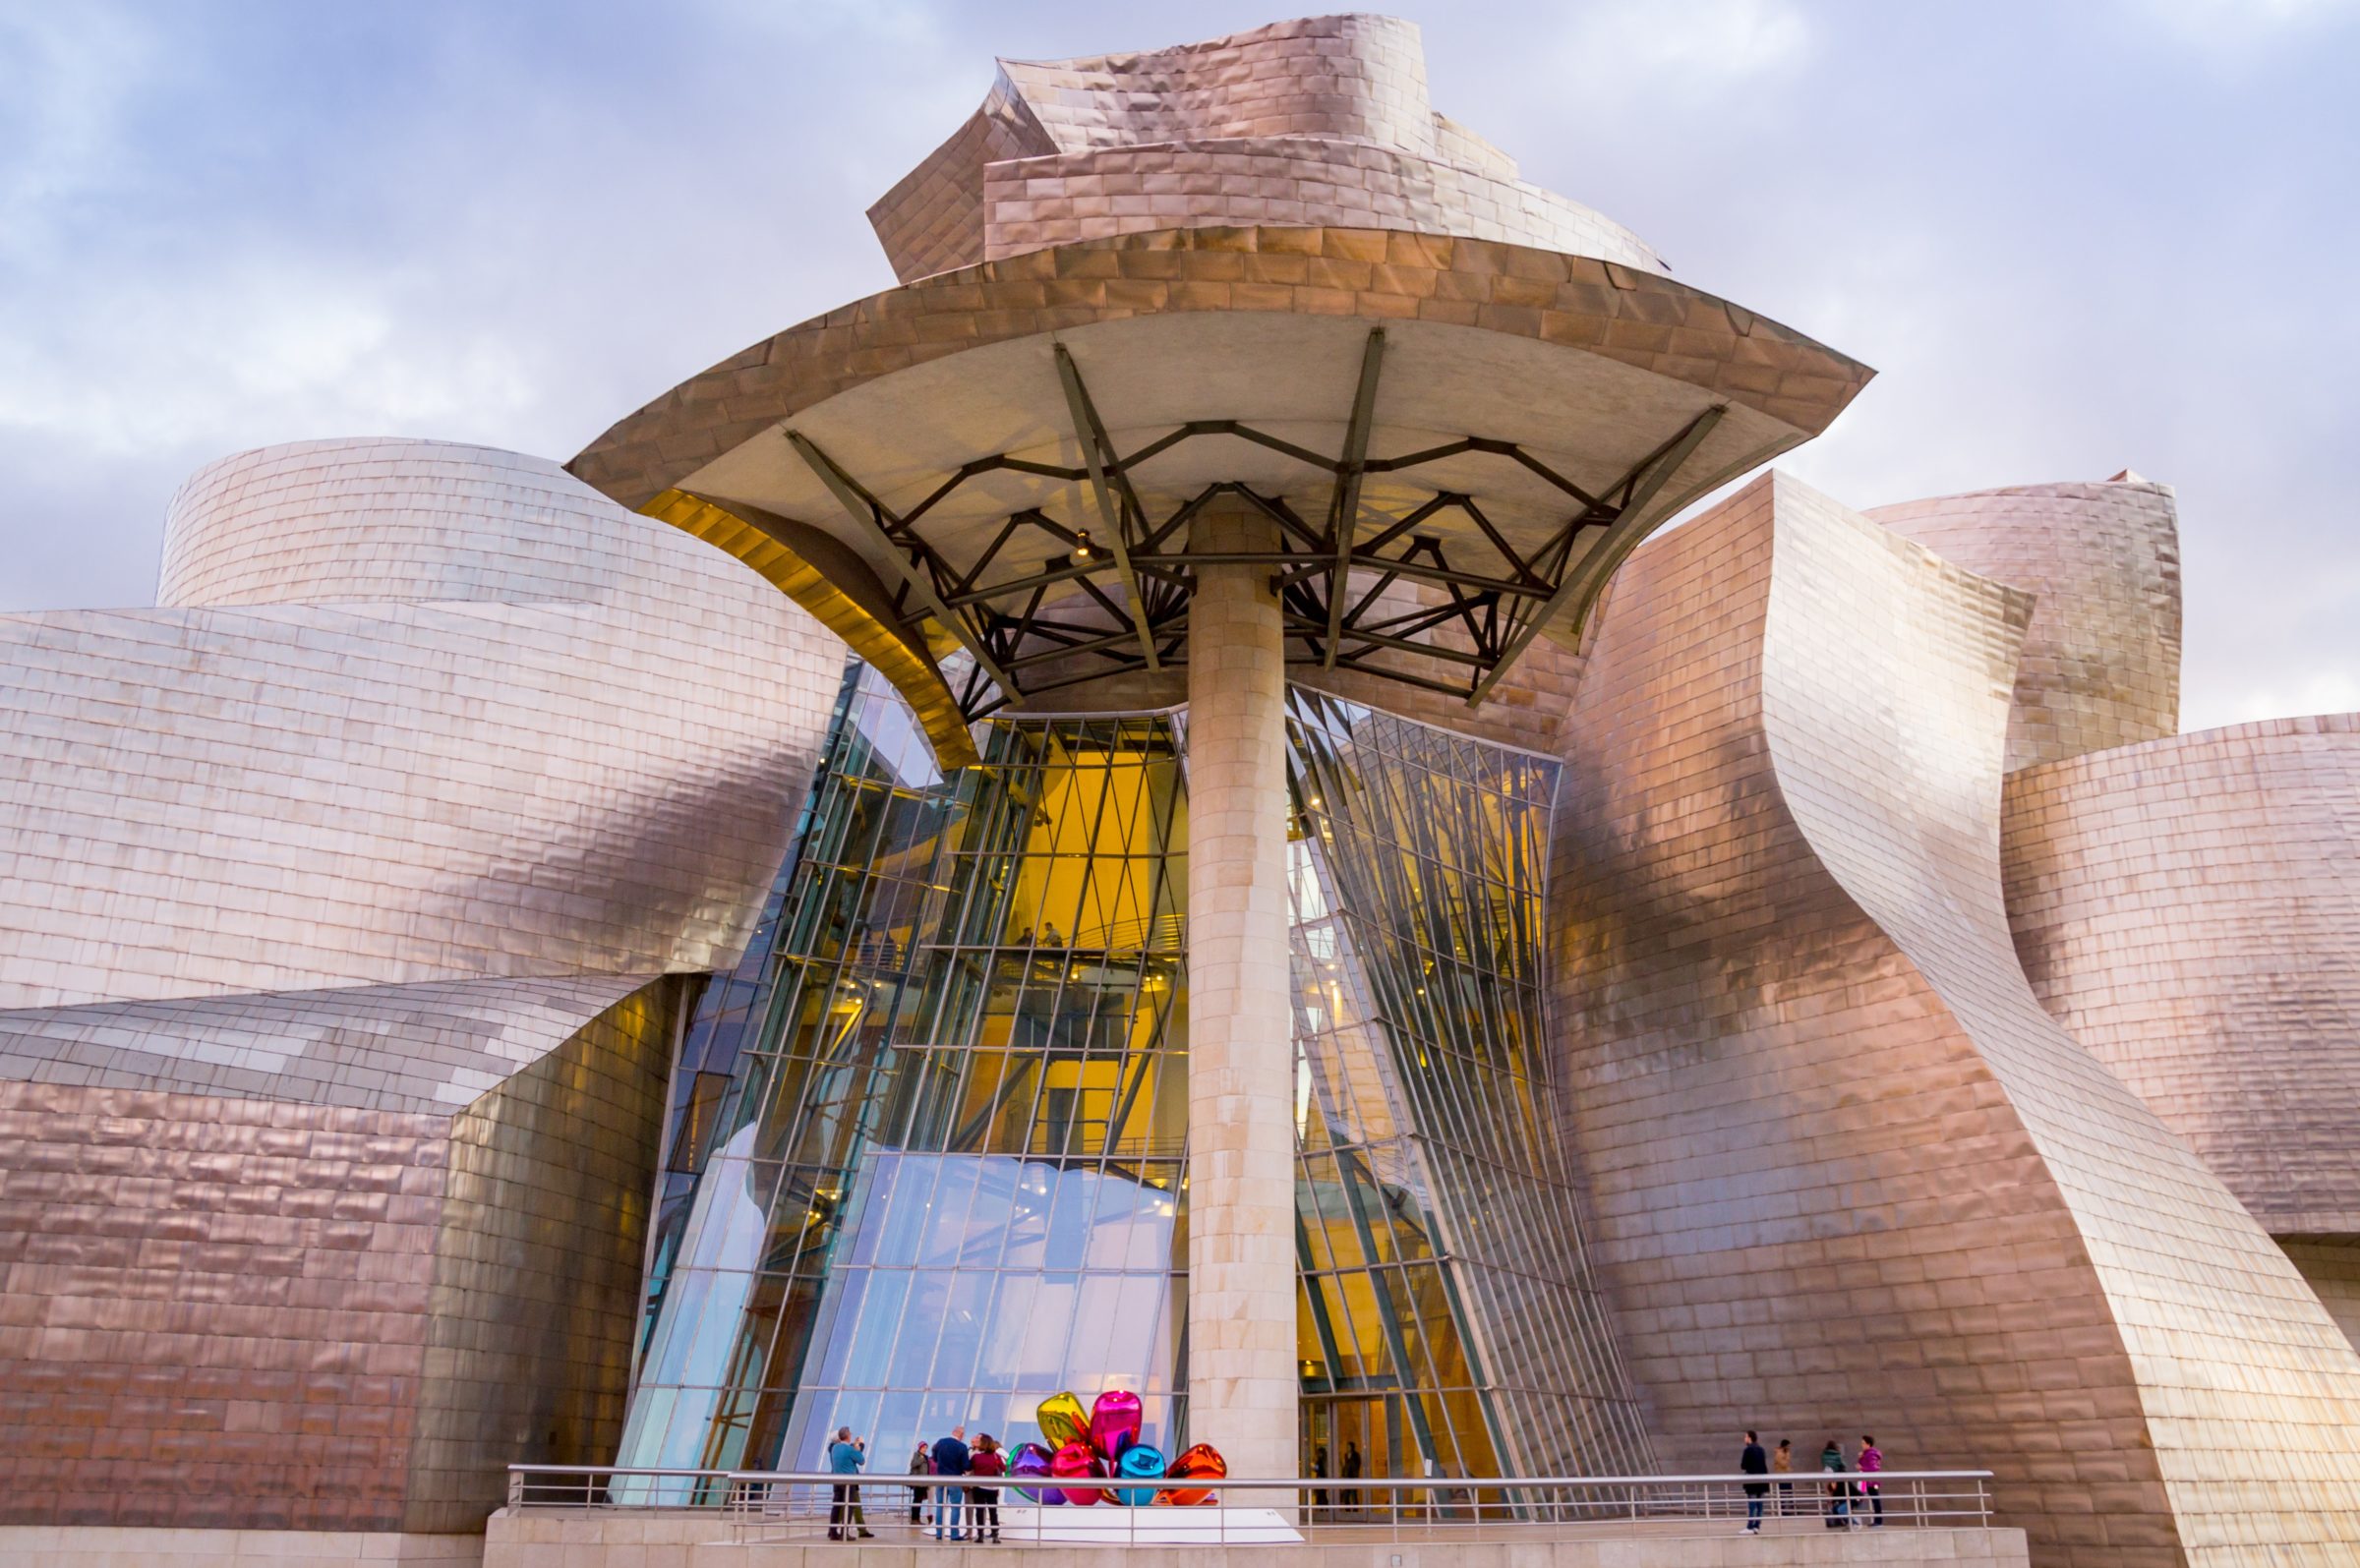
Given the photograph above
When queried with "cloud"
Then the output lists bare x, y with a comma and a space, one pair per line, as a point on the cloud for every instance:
1632, 48
73, 74
2069, 238
258, 343
2210, 705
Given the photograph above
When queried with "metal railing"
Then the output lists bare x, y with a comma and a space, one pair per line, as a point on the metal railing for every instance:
812, 1506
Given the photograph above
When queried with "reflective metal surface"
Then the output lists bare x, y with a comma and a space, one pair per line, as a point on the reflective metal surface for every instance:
1320, 120
1844, 1166
2101, 665
2190, 910
518, 732
247, 1312
332, 1040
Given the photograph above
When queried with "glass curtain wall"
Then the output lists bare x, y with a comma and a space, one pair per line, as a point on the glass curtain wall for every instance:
926, 1163
1447, 1318
944, 1176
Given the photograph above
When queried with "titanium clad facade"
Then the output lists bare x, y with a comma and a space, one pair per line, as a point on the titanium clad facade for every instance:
275, 1302
1844, 1167
337, 905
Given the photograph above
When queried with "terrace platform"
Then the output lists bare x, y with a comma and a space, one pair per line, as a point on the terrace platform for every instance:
538, 1539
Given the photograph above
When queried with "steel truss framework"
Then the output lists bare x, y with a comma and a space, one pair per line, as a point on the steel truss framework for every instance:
1137, 573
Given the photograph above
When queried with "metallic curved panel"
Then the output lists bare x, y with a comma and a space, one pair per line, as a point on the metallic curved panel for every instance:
2189, 909
284, 798
2102, 659
1319, 121
1361, 77
411, 1048
1031, 203
842, 595
1849, 1175
936, 432
1509, 295
376, 519
2331, 1267
232, 1311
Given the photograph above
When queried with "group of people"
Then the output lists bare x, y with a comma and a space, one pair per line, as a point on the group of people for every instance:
966, 1508
1324, 1498
1842, 1501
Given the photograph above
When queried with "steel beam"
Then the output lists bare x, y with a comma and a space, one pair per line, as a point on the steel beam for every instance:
1639, 486
1346, 519
867, 514
1095, 449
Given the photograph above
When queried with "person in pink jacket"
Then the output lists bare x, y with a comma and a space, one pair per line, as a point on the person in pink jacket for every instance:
1871, 1462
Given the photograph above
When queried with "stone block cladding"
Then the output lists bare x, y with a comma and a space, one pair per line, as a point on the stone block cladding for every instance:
1242, 1376
239, 1312
426, 779
678, 1539
1847, 1175
2189, 910
2102, 659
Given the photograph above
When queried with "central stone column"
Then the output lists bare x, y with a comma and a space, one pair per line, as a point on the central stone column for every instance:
1242, 1383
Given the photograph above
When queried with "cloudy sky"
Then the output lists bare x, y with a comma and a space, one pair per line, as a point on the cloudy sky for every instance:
2071, 237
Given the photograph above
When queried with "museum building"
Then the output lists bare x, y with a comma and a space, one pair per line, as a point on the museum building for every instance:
1155, 806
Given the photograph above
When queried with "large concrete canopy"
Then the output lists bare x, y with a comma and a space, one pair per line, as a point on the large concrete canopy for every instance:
1011, 453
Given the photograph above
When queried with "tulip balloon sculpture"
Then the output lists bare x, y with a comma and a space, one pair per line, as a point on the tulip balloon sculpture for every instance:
1063, 1421
1114, 1423
1034, 1460
1073, 1461
1103, 1443
1200, 1463
1140, 1462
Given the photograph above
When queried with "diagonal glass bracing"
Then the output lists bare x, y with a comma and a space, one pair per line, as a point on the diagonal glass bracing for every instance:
1448, 1321
927, 1157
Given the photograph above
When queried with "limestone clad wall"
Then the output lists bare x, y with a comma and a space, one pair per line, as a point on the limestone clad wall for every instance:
2189, 910
1848, 1177
2102, 660
1243, 1383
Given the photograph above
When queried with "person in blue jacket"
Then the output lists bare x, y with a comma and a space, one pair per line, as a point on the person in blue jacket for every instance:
845, 1458
950, 1461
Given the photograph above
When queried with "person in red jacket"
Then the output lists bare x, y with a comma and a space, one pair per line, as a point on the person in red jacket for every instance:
983, 1495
